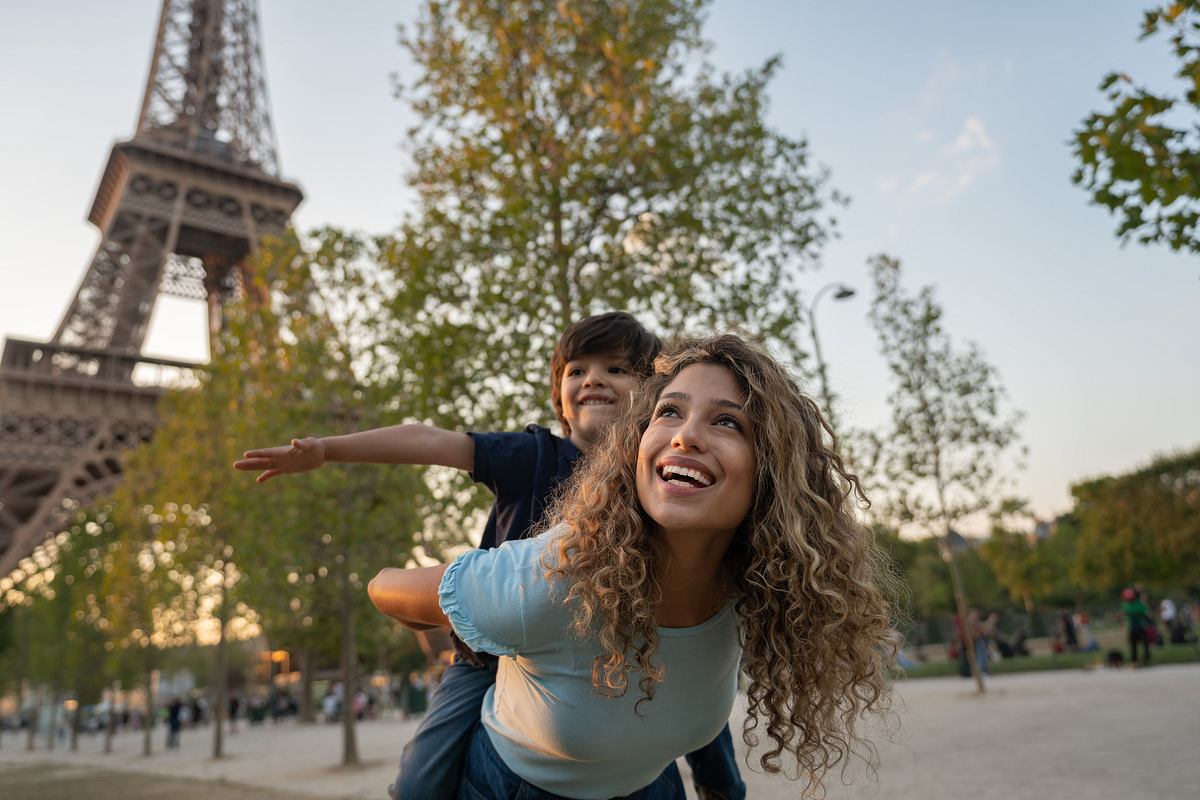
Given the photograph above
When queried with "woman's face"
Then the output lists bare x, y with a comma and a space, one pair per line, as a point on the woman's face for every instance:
696, 461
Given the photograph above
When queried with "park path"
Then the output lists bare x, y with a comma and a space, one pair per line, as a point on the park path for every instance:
1099, 735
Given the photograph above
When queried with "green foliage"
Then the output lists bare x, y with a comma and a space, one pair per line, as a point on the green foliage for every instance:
1017, 560
951, 438
572, 158
71, 628
1134, 159
1027, 566
1141, 526
927, 577
297, 551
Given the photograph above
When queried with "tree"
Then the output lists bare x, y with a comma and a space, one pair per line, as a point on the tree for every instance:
1141, 158
1140, 526
950, 438
53, 610
307, 360
1021, 562
151, 603
577, 157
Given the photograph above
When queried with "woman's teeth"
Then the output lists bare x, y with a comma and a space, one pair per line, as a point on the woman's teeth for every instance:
682, 476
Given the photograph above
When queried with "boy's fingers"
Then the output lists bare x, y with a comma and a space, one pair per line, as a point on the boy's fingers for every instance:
266, 452
266, 476
254, 463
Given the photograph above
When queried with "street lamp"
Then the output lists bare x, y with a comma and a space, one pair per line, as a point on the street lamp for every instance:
840, 292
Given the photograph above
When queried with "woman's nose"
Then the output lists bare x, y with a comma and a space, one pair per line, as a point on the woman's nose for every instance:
689, 436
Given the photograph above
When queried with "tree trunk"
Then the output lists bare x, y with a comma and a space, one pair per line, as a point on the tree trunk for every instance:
349, 678
34, 718
111, 728
148, 723
76, 724
221, 674
308, 712
52, 722
960, 602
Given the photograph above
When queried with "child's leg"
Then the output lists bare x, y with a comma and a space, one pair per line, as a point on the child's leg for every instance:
433, 761
715, 770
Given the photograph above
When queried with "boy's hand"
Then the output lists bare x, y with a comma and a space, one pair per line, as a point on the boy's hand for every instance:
303, 455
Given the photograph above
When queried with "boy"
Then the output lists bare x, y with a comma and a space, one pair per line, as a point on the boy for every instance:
598, 362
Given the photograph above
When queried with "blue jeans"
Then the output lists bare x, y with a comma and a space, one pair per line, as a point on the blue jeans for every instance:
434, 761
981, 653
489, 778
715, 770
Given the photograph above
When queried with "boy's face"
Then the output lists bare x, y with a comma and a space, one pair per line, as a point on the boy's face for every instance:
595, 390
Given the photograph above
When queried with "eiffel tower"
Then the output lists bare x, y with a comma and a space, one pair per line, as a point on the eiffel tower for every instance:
181, 207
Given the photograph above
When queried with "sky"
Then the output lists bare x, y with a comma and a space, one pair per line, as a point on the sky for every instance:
947, 124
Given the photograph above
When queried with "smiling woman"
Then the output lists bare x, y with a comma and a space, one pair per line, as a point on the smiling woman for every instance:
712, 529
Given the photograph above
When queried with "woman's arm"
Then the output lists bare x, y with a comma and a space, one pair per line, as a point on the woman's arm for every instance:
409, 596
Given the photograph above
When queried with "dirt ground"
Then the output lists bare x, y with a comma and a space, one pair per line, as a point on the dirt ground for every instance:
1086, 735
52, 781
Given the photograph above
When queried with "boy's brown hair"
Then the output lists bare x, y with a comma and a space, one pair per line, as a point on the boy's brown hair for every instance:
611, 332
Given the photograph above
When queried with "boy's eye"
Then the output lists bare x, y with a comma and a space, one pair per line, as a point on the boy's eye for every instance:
617, 370
574, 372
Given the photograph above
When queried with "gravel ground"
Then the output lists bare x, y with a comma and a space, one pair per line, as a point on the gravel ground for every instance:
56, 781
1094, 735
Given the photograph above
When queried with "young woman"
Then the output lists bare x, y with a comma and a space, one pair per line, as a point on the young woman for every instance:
714, 527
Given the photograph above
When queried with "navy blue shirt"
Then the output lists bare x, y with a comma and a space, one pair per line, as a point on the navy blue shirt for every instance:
523, 470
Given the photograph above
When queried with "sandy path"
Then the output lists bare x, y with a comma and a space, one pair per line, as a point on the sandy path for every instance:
1100, 735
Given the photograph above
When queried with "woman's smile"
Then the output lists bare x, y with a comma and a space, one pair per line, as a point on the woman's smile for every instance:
696, 461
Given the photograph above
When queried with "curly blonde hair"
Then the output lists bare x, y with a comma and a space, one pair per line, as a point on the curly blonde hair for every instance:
807, 579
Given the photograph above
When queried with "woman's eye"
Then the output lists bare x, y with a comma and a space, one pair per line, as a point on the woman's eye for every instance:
666, 410
729, 422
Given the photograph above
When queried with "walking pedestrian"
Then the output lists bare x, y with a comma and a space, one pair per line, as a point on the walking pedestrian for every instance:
1137, 620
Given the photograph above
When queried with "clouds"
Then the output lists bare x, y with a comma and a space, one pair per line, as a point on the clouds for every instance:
946, 148
960, 163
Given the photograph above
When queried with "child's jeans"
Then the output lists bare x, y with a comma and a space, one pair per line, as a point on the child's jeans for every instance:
489, 778
434, 761
715, 770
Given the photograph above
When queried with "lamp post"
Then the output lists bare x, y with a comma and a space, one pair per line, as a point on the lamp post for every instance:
841, 292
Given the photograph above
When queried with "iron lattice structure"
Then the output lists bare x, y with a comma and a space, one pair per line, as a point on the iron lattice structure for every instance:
181, 207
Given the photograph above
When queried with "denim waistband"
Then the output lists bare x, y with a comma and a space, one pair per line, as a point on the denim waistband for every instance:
489, 776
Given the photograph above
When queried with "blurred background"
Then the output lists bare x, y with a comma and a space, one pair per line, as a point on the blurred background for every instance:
971, 231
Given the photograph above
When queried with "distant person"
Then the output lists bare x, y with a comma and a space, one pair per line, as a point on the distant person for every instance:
957, 649
330, 706
1137, 620
1066, 628
235, 704
979, 629
174, 723
1011, 646
197, 712
417, 697
1174, 629
1083, 629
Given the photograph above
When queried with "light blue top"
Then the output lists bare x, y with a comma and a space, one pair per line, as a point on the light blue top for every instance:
542, 715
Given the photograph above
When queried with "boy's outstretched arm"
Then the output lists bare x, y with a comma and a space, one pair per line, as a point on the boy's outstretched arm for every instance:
410, 596
400, 444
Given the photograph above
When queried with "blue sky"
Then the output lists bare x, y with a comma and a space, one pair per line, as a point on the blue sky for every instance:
946, 123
